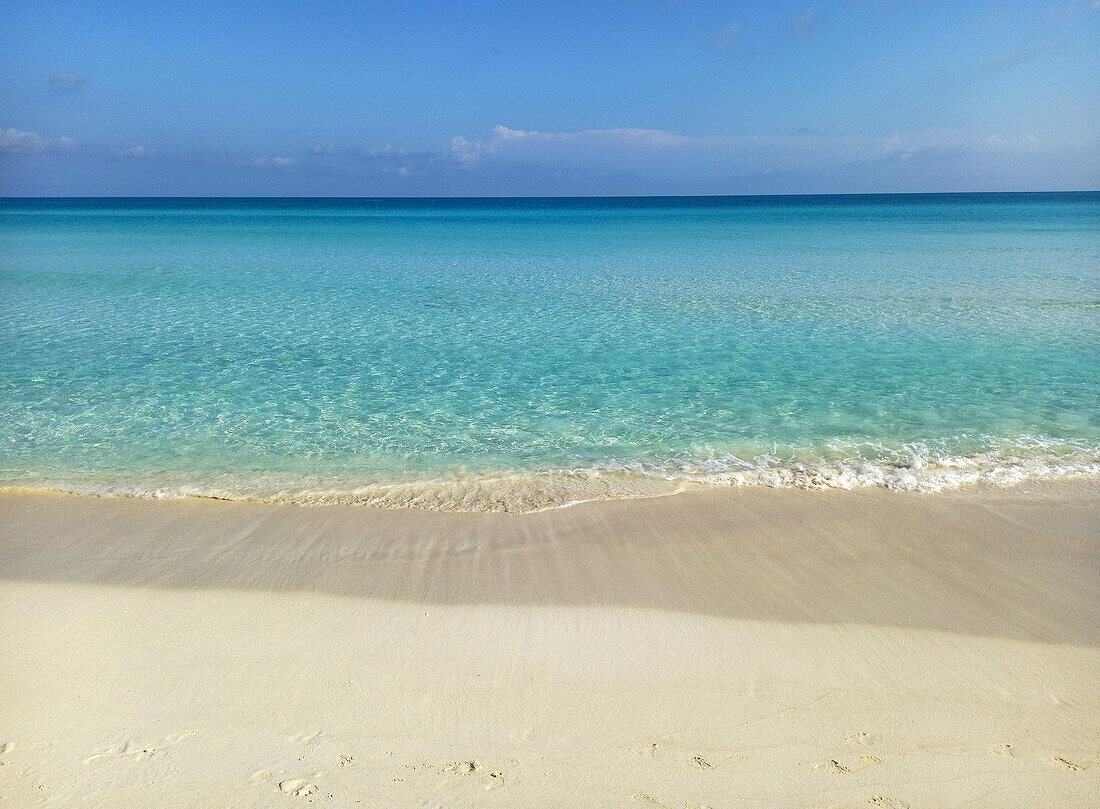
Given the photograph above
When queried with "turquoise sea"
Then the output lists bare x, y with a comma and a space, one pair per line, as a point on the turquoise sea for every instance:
511, 354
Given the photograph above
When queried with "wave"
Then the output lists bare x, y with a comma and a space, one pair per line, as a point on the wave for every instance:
919, 468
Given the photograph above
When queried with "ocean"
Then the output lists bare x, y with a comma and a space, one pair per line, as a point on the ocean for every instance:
516, 354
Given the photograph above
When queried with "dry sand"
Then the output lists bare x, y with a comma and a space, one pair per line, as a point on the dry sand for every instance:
721, 648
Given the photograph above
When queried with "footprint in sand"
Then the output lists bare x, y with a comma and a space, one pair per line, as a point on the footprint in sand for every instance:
887, 802
11, 747
704, 764
1006, 750
861, 739
309, 738
463, 768
697, 761
122, 750
646, 800
1074, 765
135, 752
299, 787
492, 778
835, 766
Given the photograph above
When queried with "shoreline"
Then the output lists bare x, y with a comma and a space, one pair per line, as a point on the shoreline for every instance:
533, 491
778, 647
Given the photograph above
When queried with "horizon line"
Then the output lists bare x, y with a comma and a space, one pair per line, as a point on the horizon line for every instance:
544, 196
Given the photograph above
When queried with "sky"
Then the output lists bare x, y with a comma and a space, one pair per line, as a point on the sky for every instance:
530, 98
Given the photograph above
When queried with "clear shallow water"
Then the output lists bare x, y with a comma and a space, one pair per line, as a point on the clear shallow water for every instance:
516, 354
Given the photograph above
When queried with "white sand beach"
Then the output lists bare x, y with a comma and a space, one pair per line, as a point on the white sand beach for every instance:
716, 648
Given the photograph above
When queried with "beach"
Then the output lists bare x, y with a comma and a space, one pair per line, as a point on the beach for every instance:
643, 405
719, 647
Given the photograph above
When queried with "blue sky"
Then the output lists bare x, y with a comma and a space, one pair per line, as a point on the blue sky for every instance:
530, 98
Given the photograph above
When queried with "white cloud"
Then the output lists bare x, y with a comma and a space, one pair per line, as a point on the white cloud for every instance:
135, 153
466, 152
533, 144
16, 141
658, 153
273, 162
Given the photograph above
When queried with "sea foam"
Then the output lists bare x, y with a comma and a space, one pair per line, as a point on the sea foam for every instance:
911, 469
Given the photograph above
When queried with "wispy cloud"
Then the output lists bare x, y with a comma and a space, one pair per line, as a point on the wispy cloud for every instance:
984, 22
805, 24
68, 82
600, 143
725, 38
657, 151
201, 157
16, 141
135, 153
652, 155
1072, 10
1013, 58
263, 161
624, 160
